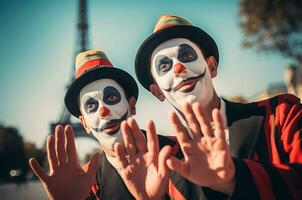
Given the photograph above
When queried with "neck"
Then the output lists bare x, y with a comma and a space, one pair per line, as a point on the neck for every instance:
214, 103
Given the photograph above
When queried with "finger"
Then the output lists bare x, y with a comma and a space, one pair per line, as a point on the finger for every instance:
179, 166
93, 165
128, 138
70, 145
152, 140
181, 132
219, 124
37, 169
120, 155
60, 145
191, 120
51, 153
162, 158
203, 121
138, 137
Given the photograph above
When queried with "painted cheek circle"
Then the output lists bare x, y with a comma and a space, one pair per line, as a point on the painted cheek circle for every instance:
111, 95
186, 53
91, 102
163, 61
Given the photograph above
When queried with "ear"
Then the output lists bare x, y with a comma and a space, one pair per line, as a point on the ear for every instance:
212, 63
155, 90
83, 122
132, 102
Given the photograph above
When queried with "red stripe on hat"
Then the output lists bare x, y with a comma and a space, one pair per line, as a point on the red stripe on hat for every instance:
165, 26
93, 63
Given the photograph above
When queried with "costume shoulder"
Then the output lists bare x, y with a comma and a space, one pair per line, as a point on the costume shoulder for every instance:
280, 104
286, 112
279, 175
284, 100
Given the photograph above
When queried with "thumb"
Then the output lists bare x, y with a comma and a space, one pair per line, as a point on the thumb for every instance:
179, 166
93, 165
163, 156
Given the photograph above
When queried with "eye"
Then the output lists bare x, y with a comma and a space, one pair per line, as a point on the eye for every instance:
164, 67
187, 57
186, 53
111, 95
112, 98
163, 64
91, 107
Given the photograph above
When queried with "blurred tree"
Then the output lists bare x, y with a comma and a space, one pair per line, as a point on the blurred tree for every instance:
32, 151
12, 155
273, 25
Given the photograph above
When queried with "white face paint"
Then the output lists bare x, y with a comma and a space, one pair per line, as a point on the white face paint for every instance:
182, 73
104, 105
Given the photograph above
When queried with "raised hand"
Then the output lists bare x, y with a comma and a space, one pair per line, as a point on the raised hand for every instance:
143, 166
66, 178
207, 158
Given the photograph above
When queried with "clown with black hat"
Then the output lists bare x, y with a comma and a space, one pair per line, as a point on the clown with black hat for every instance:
177, 62
103, 98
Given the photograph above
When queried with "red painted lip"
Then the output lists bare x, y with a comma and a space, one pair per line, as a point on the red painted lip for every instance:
189, 81
112, 129
186, 85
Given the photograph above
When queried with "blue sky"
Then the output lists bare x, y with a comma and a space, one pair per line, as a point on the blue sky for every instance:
38, 39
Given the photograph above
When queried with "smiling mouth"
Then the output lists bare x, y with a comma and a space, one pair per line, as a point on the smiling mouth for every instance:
187, 85
113, 126
112, 129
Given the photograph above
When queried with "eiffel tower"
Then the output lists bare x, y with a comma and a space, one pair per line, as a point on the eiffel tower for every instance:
81, 45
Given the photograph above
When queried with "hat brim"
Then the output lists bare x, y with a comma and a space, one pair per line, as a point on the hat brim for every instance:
193, 33
125, 80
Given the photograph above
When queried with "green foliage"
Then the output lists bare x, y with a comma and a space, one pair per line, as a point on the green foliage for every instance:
273, 25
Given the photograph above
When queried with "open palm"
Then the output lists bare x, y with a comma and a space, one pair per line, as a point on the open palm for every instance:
207, 158
143, 167
66, 178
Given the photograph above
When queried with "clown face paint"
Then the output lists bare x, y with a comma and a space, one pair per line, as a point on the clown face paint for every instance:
181, 72
104, 106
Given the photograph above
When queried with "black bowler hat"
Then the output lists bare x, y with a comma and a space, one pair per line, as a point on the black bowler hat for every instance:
94, 65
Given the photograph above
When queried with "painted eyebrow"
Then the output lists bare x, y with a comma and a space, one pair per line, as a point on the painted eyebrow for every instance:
110, 89
158, 59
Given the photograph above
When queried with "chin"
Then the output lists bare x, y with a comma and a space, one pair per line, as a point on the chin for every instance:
191, 99
200, 99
